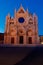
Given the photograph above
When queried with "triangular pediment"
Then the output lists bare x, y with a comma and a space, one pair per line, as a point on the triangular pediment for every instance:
21, 10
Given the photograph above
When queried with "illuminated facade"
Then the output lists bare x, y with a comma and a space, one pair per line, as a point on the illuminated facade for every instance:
22, 29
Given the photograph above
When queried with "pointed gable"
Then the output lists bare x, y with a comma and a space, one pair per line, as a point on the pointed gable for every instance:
21, 10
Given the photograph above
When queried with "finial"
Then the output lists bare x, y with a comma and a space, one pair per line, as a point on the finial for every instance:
12, 17
27, 9
34, 14
21, 5
15, 10
8, 14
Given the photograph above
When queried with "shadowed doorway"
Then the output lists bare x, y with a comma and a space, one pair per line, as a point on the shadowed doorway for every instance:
21, 39
30, 40
12, 40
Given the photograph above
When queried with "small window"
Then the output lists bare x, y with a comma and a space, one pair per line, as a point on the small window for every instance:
11, 22
30, 22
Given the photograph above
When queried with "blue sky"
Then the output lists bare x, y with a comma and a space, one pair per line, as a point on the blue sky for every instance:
34, 6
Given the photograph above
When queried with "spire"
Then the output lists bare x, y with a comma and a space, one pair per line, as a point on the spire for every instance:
27, 9
8, 14
34, 15
15, 10
21, 6
21, 9
12, 17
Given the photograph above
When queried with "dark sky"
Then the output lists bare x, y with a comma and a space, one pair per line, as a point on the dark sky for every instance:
34, 6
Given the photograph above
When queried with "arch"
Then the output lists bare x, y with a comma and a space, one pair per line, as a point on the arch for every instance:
21, 31
29, 32
13, 32
21, 35
30, 21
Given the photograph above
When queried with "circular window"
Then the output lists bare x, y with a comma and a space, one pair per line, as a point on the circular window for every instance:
21, 19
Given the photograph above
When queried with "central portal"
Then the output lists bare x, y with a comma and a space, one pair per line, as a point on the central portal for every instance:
21, 39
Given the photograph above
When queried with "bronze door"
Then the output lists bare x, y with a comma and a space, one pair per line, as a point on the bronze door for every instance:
21, 40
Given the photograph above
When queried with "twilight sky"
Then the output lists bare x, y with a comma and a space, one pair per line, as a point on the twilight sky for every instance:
34, 6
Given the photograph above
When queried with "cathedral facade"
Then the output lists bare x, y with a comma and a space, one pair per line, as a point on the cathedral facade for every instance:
22, 29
